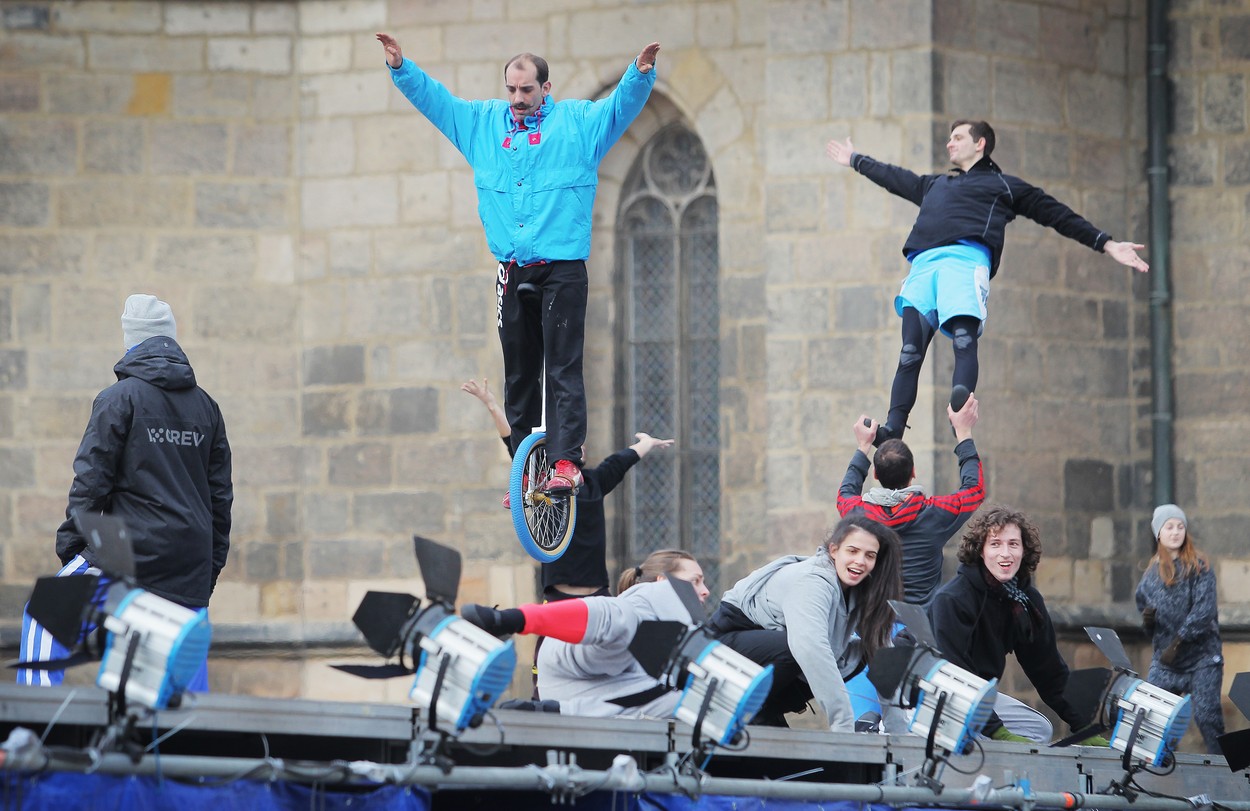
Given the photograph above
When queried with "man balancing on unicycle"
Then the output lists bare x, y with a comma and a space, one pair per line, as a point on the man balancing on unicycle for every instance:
535, 164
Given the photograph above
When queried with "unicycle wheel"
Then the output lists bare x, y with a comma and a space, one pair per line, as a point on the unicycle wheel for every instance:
543, 523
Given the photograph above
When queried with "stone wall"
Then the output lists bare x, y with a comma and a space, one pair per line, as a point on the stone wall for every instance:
251, 163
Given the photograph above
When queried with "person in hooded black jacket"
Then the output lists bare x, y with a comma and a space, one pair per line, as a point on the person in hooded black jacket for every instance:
990, 609
154, 454
954, 249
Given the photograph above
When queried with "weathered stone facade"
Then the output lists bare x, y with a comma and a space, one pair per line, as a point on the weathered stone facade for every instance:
251, 163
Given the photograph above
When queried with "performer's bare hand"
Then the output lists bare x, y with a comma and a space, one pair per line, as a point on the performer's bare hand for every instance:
647, 443
963, 419
840, 151
646, 59
865, 432
481, 391
394, 54
1126, 254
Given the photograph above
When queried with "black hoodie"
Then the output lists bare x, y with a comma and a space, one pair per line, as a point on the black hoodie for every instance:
155, 454
975, 205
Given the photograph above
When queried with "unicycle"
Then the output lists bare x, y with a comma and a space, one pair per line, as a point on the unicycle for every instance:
543, 523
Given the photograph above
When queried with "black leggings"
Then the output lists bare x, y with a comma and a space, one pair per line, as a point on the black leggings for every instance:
917, 335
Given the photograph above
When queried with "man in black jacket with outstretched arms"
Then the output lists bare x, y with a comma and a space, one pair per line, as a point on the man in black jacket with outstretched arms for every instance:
954, 249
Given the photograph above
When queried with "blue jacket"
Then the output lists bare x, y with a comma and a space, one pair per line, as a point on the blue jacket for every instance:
535, 199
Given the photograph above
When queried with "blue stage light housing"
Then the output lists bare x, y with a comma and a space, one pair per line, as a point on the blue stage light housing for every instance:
723, 693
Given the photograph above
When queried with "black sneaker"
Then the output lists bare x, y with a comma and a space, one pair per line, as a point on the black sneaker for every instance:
959, 398
488, 619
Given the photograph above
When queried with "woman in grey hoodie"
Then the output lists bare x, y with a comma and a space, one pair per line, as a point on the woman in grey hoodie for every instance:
817, 620
1177, 600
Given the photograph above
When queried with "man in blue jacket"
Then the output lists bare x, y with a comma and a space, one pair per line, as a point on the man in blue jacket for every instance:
154, 454
954, 249
535, 164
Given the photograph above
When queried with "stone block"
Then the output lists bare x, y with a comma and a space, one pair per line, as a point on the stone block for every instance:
332, 54
424, 198
242, 205
400, 513
960, 98
792, 206
1224, 103
42, 51
802, 310
253, 314
22, 255
110, 16
800, 89
345, 558
885, 24
255, 465
1234, 38
394, 143
234, 601
1007, 29
24, 205
502, 38
1095, 104
1237, 162
334, 365
113, 147
263, 150
37, 147
201, 18
181, 148
274, 98
837, 364
360, 465
214, 95
127, 53
274, 18
807, 26
350, 255
621, 31
398, 412
86, 94
271, 55
1088, 484
338, 203
336, 94
17, 465
859, 308
218, 257
1072, 38
19, 93
1028, 92
327, 148
326, 513
260, 560
333, 16
128, 202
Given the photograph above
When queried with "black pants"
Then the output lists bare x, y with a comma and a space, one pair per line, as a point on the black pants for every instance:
790, 693
552, 331
917, 334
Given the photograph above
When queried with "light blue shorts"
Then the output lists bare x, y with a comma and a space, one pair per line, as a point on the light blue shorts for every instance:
946, 282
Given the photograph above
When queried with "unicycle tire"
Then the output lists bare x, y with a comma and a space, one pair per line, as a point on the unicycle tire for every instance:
544, 524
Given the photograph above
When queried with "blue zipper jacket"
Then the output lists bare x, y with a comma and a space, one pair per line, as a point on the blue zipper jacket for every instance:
535, 195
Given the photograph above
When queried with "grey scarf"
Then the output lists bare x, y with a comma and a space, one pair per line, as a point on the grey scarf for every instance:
885, 497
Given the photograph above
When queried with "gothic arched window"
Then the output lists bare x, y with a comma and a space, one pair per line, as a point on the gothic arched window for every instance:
670, 371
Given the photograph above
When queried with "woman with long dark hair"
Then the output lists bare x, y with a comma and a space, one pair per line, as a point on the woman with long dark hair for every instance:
818, 619
1177, 599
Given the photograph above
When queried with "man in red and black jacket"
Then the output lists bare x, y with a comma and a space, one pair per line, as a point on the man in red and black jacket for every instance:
924, 523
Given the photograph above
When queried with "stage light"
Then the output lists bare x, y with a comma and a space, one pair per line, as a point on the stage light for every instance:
1146, 722
951, 705
460, 670
1236, 745
150, 648
722, 690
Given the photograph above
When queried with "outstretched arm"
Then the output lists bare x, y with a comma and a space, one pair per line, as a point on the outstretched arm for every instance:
483, 393
1126, 254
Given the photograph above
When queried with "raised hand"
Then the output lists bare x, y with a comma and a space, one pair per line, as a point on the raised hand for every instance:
394, 54
646, 59
647, 443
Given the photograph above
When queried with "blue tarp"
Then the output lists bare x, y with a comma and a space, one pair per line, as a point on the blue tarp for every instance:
677, 802
81, 792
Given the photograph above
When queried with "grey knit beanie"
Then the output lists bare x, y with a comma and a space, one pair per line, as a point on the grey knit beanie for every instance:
146, 317
1163, 513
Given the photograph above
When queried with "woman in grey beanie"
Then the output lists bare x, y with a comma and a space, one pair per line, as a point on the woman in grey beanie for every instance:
1177, 600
